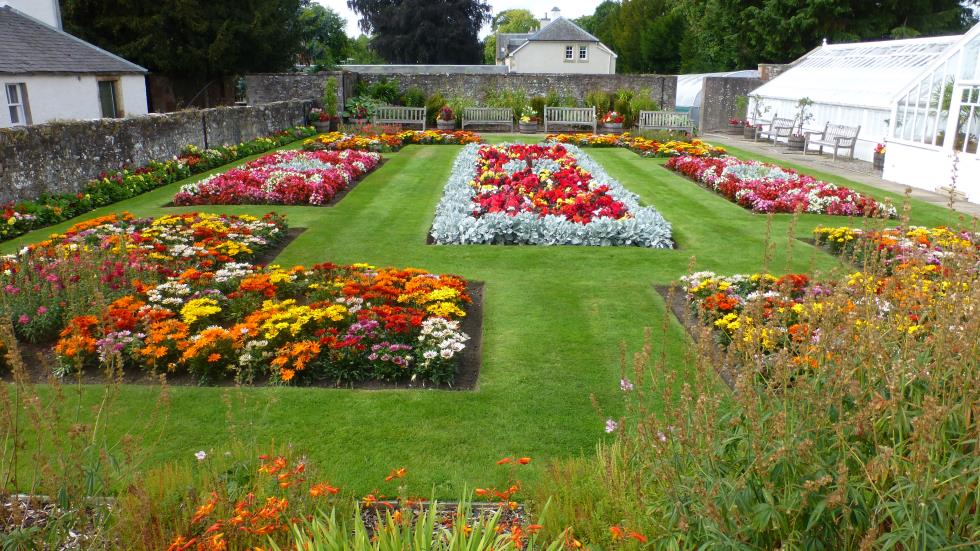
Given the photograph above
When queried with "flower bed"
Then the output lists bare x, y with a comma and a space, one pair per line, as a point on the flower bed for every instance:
116, 185
541, 195
640, 145
288, 178
764, 188
177, 295
338, 141
900, 246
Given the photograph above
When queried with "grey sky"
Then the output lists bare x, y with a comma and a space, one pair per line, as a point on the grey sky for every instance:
569, 8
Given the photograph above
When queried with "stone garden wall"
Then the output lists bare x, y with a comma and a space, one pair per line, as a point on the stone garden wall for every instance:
61, 157
719, 96
276, 87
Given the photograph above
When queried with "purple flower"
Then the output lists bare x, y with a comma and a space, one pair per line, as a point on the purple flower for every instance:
611, 426
625, 385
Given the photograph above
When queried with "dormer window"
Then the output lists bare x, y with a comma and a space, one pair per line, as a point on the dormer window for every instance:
569, 53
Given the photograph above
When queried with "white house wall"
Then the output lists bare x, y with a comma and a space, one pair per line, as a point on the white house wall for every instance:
72, 97
931, 169
873, 122
549, 57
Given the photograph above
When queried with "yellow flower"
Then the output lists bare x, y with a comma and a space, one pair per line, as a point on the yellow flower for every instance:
198, 308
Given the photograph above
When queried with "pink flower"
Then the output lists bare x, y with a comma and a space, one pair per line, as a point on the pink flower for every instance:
611, 426
41, 310
23, 319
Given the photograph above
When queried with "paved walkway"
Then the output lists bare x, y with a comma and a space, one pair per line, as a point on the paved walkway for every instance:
856, 170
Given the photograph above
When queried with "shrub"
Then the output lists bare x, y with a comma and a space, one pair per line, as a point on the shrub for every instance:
623, 107
385, 91
537, 104
432, 107
413, 97
600, 100
642, 101
330, 96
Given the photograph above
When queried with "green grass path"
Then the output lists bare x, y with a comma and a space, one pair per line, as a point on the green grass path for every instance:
554, 318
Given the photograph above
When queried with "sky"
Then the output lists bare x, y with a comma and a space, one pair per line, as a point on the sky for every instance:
569, 8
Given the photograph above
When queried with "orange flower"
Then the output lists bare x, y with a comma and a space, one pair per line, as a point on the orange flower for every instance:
504, 461
396, 473
524, 460
617, 532
638, 537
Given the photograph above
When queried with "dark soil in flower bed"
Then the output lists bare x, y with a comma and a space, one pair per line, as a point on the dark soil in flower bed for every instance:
39, 359
677, 304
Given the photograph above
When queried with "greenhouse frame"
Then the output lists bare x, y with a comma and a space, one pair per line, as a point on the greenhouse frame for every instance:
944, 100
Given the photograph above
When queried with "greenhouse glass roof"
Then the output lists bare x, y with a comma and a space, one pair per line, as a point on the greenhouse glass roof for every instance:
862, 74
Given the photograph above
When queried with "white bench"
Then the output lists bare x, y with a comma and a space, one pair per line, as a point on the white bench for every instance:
488, 115
665, 120
837, 136
392, 114
570, 116
778, 128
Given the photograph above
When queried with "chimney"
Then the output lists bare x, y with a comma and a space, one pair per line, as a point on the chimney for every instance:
555, 13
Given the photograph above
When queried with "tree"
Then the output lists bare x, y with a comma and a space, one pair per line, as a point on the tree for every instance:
359, 51
184, 38
323, 40
424, 31
507, 21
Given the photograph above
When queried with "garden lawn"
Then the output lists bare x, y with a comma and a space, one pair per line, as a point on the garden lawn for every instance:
553, 320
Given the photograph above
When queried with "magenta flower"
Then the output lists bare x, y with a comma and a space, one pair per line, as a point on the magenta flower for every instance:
611, 426
23, 319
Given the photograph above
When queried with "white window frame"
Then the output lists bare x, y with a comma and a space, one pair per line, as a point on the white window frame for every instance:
21, 108
583, 53
569, 53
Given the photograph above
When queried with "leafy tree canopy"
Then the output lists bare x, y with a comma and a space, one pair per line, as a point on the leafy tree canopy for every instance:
424, 31
507, 21
323, 40
189, 38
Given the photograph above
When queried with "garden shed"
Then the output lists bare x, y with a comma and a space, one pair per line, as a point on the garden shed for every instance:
933, 143
850, 84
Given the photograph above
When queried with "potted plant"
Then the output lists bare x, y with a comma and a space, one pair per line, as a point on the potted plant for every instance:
797, 141
613, 122
320, 120
528, 124
330, 104
879, 160
751, 128
738, 122
359, 110
446, 119
735, 126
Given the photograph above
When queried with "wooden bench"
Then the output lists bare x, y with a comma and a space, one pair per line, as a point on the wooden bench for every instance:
837, 136
570, 116
392, 114
778, 128
665, 120
488, 115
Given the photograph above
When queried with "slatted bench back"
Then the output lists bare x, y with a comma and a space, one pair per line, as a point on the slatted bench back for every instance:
488, 115
665, 120
572, 116
848, 133
400, 115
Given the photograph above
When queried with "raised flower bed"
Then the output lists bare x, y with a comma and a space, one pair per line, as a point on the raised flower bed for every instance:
894, 248
287, 178
764, 188
338, 141
541, 195
177, 295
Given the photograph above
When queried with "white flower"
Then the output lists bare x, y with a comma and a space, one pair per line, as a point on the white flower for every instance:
201, 455
611, 426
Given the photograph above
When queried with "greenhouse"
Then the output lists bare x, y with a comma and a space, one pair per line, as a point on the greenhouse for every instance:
849, 84
690, 89
942, 101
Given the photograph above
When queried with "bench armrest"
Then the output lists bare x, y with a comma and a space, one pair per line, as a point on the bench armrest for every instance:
839, 139
811, 134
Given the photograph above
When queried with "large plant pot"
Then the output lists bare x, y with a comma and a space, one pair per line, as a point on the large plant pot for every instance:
748, 132
359, 122
735, 129
795, 144
527, 127
612, 127
446, 125
322, 127
879, 161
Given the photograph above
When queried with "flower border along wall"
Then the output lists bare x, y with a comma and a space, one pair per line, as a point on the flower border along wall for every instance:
518, 194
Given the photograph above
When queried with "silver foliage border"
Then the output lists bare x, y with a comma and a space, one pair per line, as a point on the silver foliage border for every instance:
454, 223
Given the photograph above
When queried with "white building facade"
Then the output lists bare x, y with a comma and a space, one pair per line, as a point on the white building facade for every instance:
559, 46
47, 74
934, 142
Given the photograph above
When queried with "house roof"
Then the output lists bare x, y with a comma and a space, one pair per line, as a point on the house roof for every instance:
861, 74
562, 30
508, 42
30, 47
